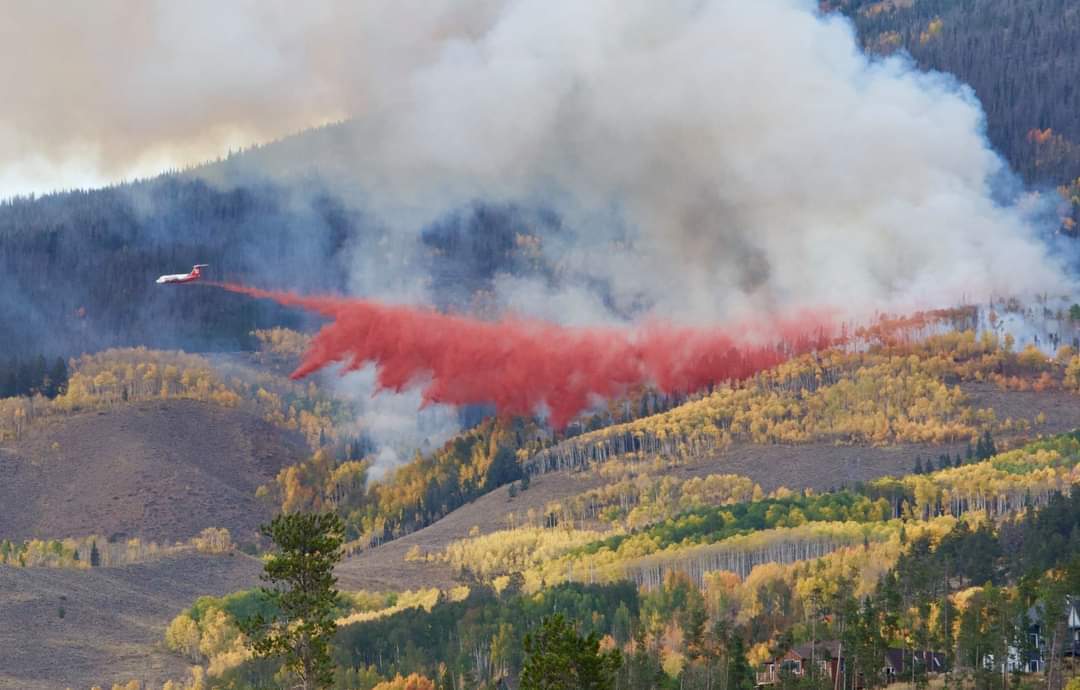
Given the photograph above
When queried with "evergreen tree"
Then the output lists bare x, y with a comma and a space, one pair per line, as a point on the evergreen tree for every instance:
58, 378
620, 624
643, 669
95, 555
302, 595
864, 645
8, 385
740, 675
985, 448
557, 658
39, 373
504, 469
918, 466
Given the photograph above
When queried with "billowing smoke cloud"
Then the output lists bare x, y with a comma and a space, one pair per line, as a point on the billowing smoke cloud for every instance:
710, 158
523, 367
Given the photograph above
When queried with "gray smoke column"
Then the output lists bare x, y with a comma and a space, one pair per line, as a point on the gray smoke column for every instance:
396, 423
712, 158
709, 158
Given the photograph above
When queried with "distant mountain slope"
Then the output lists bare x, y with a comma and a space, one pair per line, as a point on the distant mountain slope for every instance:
158, 471
77, 268
1021, 58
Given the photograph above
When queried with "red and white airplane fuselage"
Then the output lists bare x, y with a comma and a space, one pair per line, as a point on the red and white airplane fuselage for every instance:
196, 273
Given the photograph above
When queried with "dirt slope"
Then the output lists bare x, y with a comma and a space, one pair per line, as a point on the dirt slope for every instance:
114, 619
385, 568
1062, 408
820, 466
159, 470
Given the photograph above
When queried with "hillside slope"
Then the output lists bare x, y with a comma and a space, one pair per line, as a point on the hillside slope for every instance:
158, 471
114, 618
817, 466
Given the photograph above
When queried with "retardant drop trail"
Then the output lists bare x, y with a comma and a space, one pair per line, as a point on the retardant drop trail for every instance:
522, 366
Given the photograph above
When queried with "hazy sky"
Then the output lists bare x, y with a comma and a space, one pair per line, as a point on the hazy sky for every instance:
98, 91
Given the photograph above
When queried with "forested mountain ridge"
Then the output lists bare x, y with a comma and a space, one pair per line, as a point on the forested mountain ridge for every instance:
77, 268
1021, 59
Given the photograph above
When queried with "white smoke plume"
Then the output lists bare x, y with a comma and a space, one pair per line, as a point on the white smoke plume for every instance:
391, 421
709, 157
748, 155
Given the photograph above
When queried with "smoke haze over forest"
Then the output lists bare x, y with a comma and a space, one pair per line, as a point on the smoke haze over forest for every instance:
585, 164
694, 174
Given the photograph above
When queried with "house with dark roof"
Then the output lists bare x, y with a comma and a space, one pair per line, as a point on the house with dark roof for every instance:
827, 656
797, 662
1032, 658
900, 663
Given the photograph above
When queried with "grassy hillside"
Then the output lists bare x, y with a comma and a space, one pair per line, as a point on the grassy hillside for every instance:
157, 445
159, 471
110, 628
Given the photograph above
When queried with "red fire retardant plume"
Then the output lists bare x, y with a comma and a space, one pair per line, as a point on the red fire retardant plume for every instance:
522, 366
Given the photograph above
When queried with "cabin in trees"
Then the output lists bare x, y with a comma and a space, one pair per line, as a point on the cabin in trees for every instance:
899, 663
828, 658
797, 662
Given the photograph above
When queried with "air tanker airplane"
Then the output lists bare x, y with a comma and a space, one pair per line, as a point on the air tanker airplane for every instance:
196, 273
